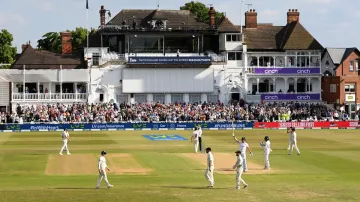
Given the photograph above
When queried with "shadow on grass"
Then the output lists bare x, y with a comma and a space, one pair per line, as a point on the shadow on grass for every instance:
73, 188
187, 187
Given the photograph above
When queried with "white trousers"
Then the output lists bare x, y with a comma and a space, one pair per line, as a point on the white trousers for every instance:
266, 159
102, 176
196, 146
289, 143
209, 175
245, 168
239, 180
293, 145
64, 147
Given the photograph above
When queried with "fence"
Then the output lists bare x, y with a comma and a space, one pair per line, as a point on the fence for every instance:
178, 126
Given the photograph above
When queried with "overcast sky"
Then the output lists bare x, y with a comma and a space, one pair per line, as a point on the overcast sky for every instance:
334, 23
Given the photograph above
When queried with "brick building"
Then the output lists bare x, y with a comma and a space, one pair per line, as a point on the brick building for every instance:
341, 81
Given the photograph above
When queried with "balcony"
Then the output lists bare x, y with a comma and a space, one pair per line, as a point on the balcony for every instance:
284, 97
284, 70
35, 97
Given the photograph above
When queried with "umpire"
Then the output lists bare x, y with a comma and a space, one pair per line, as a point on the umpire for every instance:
199, 132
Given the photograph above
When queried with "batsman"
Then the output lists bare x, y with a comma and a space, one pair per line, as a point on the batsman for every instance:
243, 146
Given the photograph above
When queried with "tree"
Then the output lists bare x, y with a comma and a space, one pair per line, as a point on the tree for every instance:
201, 11
7, 51
51, 41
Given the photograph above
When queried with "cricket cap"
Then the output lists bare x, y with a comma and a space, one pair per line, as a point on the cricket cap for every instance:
238, 151
103, 152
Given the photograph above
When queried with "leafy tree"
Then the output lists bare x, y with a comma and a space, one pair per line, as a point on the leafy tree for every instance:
201, 11
51, 41
7, 51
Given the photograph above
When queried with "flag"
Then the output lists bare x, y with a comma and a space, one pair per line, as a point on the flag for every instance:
87, 4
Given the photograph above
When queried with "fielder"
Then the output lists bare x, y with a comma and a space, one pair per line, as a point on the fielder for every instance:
289, 141
209, 173
293, 143
238, 166
65, 138
267, 150
243, 145
195, 139
102, 167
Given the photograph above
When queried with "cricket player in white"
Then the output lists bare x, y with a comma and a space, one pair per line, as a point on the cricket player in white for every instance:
102, 167
209, 173
267, 150
289, 141
293, 143
65, 138
238, 166
243, 145
195, 139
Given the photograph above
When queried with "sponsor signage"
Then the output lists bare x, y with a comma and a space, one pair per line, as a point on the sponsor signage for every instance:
287, 70
164, 137
306, 124
297, 97
125, 126
201, 60
349, 97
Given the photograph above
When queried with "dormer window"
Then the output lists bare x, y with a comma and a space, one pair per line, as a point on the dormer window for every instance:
327, 63
159, 24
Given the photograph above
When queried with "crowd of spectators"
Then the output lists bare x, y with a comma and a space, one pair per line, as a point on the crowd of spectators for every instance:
182, 112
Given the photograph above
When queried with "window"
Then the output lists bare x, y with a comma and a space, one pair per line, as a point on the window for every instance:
350, 88
327, 63
96, 59
122, 98
332, 88
351, 66
159, 98
234, 55
194, 98
140, 98
233, 37
356, 66
176, 98
101, 98
212, 98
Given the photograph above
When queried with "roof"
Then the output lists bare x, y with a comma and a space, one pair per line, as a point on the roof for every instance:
36, 59
293, 36
174, 18
225, 25
338, 55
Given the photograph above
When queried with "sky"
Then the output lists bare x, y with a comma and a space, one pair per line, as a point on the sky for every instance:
334, 23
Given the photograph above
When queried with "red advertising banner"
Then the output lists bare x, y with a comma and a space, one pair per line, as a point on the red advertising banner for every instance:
307, 124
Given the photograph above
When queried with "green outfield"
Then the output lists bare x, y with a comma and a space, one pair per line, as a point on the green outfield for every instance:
142, 170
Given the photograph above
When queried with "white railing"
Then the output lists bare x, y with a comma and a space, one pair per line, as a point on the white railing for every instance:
49, 96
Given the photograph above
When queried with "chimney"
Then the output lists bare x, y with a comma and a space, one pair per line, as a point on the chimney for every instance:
102, 16
212, 16
251, 19
66, 43
24, 46
293, 15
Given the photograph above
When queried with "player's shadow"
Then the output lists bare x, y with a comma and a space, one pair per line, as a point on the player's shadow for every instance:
188, 187
73, 188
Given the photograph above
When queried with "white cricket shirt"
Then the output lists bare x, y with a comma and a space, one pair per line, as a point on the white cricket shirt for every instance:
64, 135
195, 136
210, 157
102, 163
199, 132
239, 161
293, 136
267, 147
243, 147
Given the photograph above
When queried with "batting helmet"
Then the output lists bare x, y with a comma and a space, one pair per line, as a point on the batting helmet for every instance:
266, 138
103, 152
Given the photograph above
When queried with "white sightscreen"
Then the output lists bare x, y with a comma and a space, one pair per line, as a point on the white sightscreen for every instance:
166, 80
